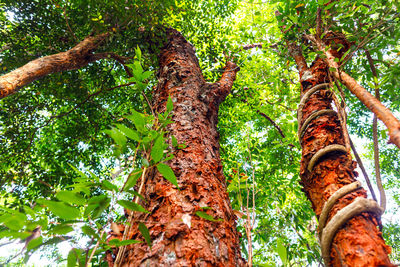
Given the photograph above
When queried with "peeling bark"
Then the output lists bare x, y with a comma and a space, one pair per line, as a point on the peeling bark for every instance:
75, 58
180, 237
358, 242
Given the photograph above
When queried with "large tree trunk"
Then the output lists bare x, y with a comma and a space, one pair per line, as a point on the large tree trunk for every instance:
358, 242
180, 237
75, 58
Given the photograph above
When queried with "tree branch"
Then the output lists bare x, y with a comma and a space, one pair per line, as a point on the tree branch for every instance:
118, 58
274, 124
383, 113
217, 92
75, 58
66, 19
250, 46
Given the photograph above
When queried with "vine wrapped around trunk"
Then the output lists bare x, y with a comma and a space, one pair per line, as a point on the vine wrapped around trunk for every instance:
358, 242
180, 237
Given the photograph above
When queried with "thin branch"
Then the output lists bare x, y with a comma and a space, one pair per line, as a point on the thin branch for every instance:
66, 19
272, 122
94, 249
122, 249
118, 58
121, 60
251, 46
279, 104
275, 125
367, 39
361, 165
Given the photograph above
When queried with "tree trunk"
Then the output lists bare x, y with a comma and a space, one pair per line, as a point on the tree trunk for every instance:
180, 237
75, 58
358, 242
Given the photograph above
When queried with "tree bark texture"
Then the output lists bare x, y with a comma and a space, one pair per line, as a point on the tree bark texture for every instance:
358, 242
180, 237
75, 58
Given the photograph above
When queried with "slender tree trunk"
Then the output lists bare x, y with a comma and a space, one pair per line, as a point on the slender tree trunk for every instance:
358, 242
180, 237
75, 58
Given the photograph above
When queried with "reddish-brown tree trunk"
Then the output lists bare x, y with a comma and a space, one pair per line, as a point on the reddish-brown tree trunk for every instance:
358, 242
180, 237
75, 58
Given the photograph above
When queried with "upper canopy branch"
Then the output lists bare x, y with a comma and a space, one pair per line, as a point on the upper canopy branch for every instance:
222, 88
373, 104
75, 58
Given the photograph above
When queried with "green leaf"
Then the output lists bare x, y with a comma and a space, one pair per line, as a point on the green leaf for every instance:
384, 134
138, 53
145, 162
118, 243
34, 243
89, 231
89, 209
100, 207
61, 210
329, 6
281, 249
109, 186
83, 175
137, 119
145, 232
170, 105
376, 80
137, 194
157, 151
146, 74
97, 199
174, 141
132, 206
168, 173
206, 216
132, 179
14, 221
72, 258
117, 136
61, 229
70, 197
131, 134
